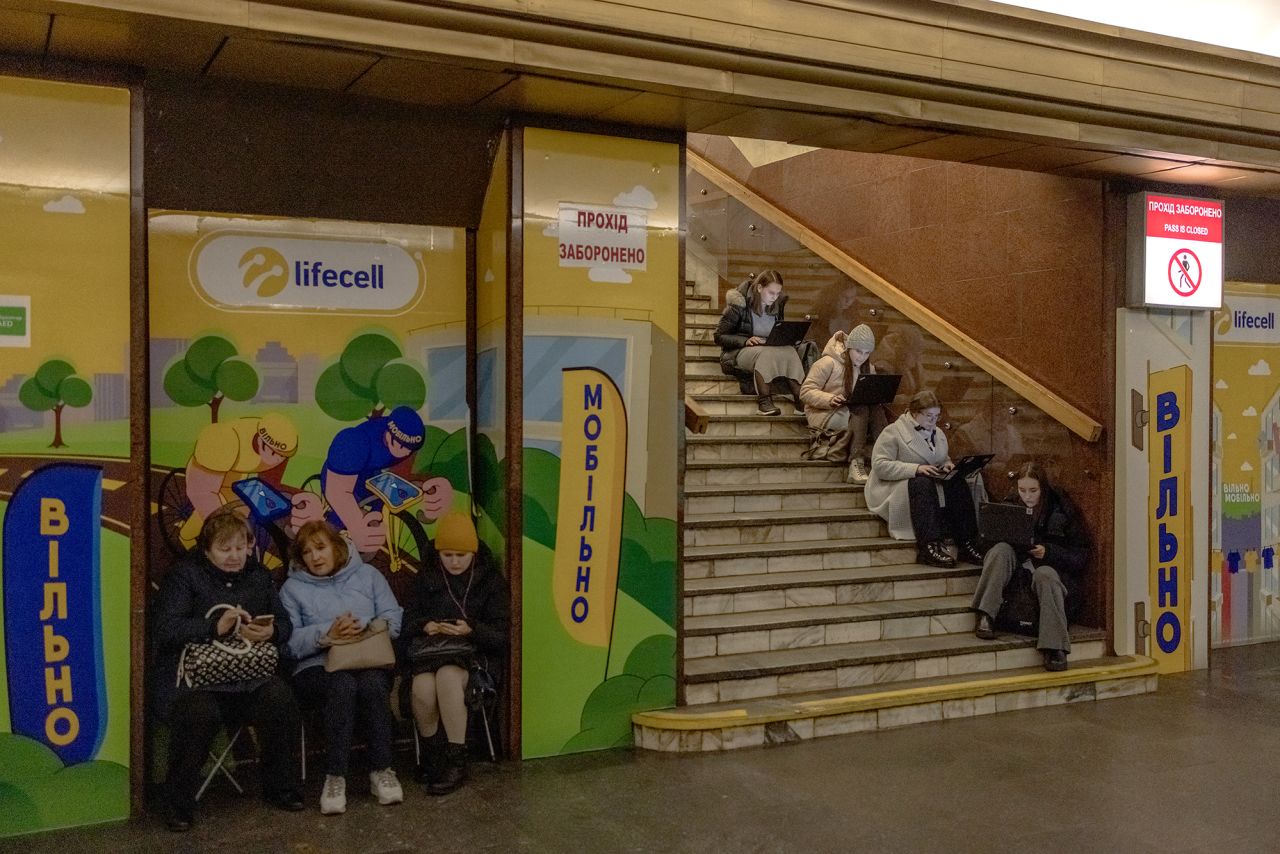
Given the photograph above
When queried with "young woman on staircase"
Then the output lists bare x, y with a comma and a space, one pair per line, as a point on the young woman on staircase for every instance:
1057, 564
907, 491
750, 313
826, 388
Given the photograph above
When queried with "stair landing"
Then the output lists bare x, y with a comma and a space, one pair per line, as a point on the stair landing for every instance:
797, 717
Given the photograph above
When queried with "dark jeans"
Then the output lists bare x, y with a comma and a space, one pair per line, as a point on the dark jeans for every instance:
342, 696
198, 715
933, 522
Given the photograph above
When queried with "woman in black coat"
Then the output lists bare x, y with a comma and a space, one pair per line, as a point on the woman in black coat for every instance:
1057, 562
458, 597
750, 313
222, 572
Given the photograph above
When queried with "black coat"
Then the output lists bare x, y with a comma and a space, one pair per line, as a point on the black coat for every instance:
186, 595
1067, 548
486, 601
735, 325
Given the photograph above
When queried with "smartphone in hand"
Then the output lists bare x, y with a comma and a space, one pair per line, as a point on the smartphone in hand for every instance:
264, 620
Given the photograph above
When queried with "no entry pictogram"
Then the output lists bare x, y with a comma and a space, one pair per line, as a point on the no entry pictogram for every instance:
1185, 272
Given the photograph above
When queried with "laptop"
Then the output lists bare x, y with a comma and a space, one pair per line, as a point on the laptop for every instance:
966, 466
787, 333
871, 389
1007, 523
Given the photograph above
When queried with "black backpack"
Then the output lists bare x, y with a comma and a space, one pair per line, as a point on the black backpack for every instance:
1020, 612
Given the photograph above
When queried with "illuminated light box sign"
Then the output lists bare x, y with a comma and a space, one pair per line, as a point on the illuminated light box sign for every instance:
238, 271
1175, 252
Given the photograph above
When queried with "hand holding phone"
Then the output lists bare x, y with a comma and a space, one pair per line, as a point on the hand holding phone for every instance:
264, 620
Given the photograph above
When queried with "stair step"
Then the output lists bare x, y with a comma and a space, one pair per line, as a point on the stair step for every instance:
735, 724
702, 348
822, 668
742, 449
839, 576
711, 384
731, 403
783, 526
705, 314
759, 426
825, 625
745, 498
821, 615
727, 472
699, 333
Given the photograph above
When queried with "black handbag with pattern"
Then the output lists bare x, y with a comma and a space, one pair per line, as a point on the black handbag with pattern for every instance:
225, 662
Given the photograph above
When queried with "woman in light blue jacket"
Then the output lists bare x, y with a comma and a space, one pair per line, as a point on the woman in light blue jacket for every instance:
331, 595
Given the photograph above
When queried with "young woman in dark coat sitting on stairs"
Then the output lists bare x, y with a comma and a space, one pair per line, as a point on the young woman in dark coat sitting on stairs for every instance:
751, 311
1057, 563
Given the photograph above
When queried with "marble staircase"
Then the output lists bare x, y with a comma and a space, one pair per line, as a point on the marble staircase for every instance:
803, 618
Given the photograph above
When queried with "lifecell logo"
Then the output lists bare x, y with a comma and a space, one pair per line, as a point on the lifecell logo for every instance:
265, 271
238, 271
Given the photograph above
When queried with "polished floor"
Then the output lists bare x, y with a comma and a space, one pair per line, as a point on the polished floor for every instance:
1194, 767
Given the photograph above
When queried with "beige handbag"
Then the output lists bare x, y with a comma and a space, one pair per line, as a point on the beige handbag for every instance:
372, 649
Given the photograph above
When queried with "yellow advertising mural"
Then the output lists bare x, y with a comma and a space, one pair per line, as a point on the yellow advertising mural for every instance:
1245, 525
601, 310
65, 488
1170, 546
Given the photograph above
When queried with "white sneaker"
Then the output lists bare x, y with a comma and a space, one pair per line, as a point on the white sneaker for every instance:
333, 799
384, 786
857, 471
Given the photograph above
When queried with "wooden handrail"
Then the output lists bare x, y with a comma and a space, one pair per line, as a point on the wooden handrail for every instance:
695, 416
1028, 388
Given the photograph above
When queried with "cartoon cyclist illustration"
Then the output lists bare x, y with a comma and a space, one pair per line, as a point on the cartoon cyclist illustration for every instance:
363, 452
229, 451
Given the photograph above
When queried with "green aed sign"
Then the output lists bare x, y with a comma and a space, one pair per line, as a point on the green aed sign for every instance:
13, 320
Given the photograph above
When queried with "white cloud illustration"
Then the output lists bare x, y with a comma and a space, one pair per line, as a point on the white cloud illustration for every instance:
1260, 369
1220, 384
1250, 413
1232, 436
612, 275
489, 276
67, 204
637, 197
1244, 466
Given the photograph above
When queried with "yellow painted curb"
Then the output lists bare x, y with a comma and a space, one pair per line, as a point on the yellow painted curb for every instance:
680, 719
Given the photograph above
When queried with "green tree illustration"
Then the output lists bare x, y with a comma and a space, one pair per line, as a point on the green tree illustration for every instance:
54, 387
370, 377
210, 371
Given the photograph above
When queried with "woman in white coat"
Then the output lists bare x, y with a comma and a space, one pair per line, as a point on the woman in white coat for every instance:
906, 491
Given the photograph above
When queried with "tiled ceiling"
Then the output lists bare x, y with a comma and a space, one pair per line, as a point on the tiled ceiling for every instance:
197, 49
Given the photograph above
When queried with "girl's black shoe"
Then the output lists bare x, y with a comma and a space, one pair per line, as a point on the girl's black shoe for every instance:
936, 554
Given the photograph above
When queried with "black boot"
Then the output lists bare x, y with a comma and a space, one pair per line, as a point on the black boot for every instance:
971, 551
795, 395
765, 399
454, 773
431, 764
936, 554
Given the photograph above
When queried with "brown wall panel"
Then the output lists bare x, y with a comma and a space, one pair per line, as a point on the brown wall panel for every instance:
1013, 259
241, 149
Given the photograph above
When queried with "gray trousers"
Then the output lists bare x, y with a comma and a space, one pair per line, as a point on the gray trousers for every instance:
863, 422
997, 571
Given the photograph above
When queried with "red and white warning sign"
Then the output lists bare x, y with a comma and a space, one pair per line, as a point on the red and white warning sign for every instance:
1181, 241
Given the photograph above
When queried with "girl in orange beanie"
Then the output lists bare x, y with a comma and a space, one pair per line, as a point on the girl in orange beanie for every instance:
457, 615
